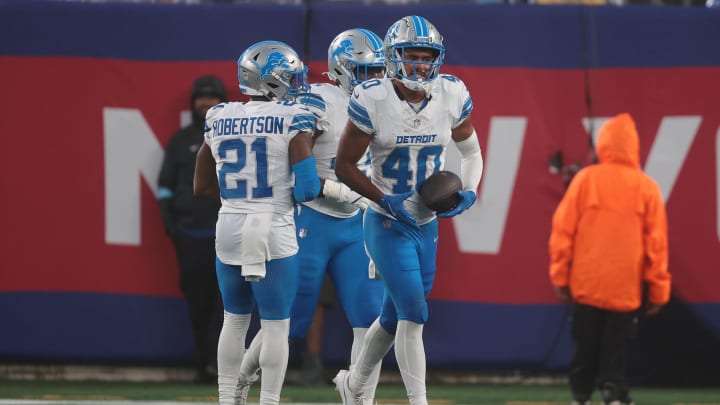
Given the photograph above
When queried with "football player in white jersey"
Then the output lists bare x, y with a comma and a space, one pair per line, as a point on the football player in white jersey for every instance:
407, 120
329, 230
257, 157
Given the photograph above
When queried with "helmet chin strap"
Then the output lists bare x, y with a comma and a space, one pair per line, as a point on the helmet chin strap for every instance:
412, 85
415, 85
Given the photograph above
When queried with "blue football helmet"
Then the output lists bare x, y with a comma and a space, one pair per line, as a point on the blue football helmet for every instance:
353, 56
413, 32
272, 69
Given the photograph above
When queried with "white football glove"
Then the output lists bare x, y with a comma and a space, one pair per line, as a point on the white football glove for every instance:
341, 192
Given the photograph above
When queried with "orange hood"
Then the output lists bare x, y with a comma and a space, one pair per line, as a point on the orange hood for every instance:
618, 141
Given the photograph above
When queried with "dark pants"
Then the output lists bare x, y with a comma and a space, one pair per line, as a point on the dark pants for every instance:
601, 353
198, 283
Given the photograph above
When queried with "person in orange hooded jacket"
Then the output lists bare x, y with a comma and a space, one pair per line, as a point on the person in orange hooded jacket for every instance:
608, 242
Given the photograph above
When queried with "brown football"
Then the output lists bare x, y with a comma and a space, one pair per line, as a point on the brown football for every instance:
440, 191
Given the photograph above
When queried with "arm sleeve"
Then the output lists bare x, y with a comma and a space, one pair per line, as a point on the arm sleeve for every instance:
655, 241
167, 180
471, 165
307, 182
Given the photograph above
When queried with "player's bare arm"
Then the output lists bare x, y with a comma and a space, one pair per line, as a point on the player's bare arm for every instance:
352, 147
463, 131
301, 147
205, 183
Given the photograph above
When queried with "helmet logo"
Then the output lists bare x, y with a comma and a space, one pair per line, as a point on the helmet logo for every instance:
344, 48
275, 60
393, 31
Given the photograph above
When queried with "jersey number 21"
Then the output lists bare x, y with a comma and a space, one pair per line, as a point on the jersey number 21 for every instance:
244, 168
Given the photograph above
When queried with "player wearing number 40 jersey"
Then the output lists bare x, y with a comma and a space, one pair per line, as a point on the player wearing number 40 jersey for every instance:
258, 157
406, 119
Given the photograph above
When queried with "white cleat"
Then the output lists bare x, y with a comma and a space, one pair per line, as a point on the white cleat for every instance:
243, 388
242, 394
342, 385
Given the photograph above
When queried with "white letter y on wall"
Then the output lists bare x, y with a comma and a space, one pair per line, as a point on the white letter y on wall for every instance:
489, 214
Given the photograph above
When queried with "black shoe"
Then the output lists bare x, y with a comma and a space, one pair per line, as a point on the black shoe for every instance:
581, 400
612, 395
312, 371
626, 401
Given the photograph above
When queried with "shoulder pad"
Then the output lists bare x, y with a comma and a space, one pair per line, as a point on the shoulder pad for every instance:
450, 82
374, 89
215, 110
315, 104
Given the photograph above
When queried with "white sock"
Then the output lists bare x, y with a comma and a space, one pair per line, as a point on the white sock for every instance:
273, 359
251, 362
269, 399
374, 376
376, 344
231, 348
410, 355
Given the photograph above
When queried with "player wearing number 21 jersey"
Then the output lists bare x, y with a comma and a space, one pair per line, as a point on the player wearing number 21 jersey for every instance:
260, 155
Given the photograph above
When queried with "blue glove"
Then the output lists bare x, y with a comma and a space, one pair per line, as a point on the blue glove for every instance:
393, 204
467, 199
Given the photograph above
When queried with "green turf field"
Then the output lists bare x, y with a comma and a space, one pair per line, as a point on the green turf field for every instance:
505, 394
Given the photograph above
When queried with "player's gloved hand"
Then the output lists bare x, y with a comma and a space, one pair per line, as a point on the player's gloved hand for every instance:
393, 204
341, 192
467, 199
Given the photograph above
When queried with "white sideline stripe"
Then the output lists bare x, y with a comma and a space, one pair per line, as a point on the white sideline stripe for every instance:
95, 402
124, 402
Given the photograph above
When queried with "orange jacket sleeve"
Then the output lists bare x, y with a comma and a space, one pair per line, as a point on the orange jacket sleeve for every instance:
562, 236
655, 272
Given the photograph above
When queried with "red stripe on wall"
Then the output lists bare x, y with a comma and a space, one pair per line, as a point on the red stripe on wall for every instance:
53, 172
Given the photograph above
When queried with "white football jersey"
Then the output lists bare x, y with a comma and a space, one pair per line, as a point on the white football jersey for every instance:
408, 146
250, 144
325, 147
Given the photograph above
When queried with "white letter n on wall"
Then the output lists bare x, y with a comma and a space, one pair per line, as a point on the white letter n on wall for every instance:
131, 150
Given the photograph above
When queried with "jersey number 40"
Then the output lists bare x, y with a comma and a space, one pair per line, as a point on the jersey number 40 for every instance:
397, 166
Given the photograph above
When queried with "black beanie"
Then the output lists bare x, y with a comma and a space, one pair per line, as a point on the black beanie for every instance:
209, 86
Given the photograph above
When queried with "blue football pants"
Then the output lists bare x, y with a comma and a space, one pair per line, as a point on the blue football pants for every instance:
406, 265
333, 245
274, 294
